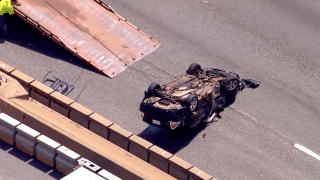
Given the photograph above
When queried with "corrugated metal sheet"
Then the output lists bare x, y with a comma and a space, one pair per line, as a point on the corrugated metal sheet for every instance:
91, 30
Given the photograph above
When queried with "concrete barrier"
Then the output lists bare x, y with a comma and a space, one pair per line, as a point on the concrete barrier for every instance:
6, 68
88, 144
80, 114
88, 165
23, 79
198, 174
26, 139
46, 150
159, 158
139, 147
108, 175
119, 136
66, 160
8, 129
12, 89
99, 125
179, 168
11, 108
40, 92
60, 103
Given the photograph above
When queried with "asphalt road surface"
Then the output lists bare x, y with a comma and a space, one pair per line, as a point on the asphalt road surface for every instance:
15, 164
274, 41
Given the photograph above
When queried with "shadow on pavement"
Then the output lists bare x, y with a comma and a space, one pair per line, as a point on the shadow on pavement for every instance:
5, 146
23, 34
19, 154
12, 150
171, 141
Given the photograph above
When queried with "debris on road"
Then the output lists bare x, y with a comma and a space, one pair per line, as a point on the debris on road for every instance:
57, 84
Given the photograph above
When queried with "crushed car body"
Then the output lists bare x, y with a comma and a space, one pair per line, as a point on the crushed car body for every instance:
194, 98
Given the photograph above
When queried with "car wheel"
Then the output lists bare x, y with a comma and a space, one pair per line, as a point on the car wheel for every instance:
193, 69
152, 89
231, 83
192, 102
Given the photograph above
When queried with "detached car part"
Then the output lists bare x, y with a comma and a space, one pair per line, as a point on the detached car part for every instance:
57, 84
194, 98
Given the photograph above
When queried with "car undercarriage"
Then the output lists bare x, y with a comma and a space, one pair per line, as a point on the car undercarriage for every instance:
194, 98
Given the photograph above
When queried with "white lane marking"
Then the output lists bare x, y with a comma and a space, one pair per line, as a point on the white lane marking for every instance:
307, 151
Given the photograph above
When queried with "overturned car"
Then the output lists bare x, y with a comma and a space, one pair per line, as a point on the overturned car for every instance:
194, 98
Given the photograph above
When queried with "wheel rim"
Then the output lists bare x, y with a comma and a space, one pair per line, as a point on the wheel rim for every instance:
232, 85
193, 104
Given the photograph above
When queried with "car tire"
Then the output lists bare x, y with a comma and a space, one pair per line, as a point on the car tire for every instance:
231, 83
192, 102
193, 69
152, 89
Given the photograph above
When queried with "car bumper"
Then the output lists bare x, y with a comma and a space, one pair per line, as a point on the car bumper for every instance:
164, 118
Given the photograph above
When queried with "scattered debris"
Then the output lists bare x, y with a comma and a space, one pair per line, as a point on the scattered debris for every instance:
57, 84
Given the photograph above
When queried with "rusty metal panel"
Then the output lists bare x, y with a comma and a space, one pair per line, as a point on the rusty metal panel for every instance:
91, 30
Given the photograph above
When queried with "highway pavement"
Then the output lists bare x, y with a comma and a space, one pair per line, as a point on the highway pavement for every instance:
274, 41
15, 164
